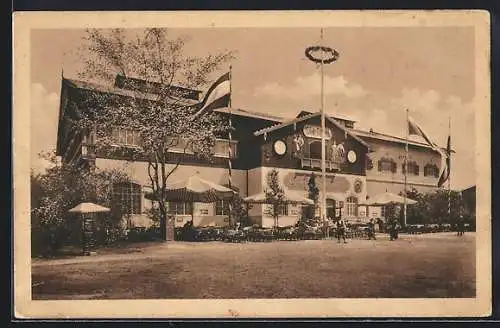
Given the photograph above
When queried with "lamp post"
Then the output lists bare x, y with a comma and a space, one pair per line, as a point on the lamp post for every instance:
322, 55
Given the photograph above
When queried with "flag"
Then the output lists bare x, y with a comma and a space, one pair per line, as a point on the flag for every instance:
445, 174
217, 96
415, 129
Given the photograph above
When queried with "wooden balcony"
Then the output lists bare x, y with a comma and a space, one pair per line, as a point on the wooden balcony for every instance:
315, 163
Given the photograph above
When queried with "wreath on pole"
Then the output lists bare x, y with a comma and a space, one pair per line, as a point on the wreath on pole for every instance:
332, 54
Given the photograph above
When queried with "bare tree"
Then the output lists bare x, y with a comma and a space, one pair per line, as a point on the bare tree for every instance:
153, 106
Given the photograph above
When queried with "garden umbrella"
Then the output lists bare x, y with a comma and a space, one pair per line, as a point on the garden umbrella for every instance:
195, 189
338, 197
290, 197
387, 198
88, 208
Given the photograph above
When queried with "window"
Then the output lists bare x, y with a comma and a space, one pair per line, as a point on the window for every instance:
413, 168
431, 170
352, 206
178, 145
283, 210
128, 197
315, 150
221, 148
127, 137
382, 211
222, 207
180, 208
330, 208
387, 165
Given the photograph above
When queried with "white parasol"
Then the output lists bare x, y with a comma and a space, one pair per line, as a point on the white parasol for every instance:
88, 208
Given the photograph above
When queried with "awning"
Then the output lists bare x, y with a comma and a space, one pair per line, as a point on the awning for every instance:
336, 196
194, 189
387, 198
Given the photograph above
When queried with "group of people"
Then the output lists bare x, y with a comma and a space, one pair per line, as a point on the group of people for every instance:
341, 228
393, 228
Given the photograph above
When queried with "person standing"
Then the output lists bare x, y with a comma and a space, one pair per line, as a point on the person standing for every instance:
460, 226
371, 230
393, 229
341, 230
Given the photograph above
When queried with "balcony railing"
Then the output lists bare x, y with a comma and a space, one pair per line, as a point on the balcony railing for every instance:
316, 163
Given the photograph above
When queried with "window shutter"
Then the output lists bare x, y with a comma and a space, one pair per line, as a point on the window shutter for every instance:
380, 165
394, 167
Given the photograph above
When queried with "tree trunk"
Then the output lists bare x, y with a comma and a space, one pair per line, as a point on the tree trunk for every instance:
163, 221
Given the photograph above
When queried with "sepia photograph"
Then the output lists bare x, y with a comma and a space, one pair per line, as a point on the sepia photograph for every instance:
258, 164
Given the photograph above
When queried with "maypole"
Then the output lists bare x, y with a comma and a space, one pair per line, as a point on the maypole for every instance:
323, 153
327, 56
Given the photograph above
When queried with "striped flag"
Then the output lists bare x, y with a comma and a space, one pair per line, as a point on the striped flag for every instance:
217, 96
445, 175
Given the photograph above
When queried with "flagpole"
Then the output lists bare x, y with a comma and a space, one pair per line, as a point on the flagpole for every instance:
449, 175
323, 153
230, 136
405, 167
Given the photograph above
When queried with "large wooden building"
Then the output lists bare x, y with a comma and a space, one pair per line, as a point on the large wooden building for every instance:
359, 164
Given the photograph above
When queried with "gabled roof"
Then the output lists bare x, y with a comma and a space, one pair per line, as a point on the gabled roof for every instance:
336, 116
304, 118
114, 90
470, 188
382, 136
141, 85
247, 113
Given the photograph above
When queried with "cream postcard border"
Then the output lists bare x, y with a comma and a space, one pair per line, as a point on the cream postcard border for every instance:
24, 22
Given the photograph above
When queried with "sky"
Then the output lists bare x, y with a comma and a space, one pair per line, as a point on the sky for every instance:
380, 72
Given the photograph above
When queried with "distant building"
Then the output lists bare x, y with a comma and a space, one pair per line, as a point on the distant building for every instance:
359, 163
469, 198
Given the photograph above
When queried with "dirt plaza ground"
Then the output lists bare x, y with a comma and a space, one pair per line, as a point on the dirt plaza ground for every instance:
429, 265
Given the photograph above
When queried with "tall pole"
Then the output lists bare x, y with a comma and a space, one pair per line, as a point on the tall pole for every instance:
230, 137
323, 152
405, 167
449, 174
328, 56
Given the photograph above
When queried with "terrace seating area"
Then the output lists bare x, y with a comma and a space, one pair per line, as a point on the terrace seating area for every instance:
309, 230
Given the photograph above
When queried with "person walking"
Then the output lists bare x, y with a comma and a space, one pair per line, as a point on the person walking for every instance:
341, 230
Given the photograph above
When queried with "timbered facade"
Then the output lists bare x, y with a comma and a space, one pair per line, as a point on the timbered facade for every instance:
359, 164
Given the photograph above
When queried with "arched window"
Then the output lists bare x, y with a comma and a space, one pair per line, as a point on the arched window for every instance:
352, 206
128, 196
387, 165
431, 170
413, 168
